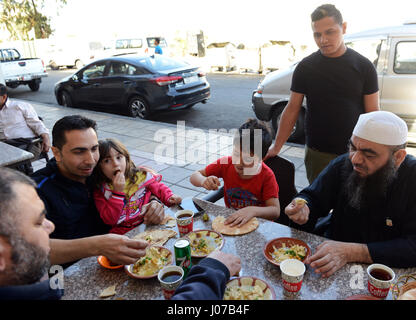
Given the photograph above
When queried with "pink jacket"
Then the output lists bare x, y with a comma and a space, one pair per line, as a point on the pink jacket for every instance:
124, 214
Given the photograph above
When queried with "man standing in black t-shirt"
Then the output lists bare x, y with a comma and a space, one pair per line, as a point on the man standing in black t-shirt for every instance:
339, 85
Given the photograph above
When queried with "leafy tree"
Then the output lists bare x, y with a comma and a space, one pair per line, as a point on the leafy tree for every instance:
19, 17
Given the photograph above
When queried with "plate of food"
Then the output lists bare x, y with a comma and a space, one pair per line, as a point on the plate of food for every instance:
203, 242
107, 263
148, 266
248, 288
279, 249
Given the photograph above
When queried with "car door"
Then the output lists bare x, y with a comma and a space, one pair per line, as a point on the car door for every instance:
399, 94
89, 90
115, 83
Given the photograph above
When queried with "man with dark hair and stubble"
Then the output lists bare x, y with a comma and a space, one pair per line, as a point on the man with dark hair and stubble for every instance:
339, 84
24, 240
66, 189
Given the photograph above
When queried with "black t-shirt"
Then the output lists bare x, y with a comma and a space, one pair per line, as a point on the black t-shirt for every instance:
334, 90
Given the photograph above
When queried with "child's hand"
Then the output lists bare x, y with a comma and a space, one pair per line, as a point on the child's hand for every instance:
174, 199
211, 183
240, 217
119, 181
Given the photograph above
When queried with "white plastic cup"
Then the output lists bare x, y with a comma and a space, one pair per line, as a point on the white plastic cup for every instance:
378, 287
292, 276
169, 288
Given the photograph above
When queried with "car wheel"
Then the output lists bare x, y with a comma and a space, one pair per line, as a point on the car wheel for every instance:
138, 107
53, 65
66, 99
34, 85
79, 64
298, 132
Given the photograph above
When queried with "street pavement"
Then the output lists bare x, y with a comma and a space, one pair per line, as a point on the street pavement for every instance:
174, 151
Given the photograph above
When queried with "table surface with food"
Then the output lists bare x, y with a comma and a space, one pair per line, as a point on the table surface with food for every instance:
261, 248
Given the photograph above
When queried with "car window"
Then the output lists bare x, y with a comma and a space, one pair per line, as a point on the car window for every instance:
94, 71
161, 63
120, 68
122, 44
405, 57
136, 43
369, 48
117, 68
151, 42
10, 54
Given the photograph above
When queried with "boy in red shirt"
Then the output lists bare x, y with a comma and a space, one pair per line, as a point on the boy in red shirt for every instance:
250, 186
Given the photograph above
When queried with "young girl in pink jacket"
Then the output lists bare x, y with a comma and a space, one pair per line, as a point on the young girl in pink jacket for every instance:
122, 188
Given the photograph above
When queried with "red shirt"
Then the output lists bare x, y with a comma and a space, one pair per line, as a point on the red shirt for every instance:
240, 193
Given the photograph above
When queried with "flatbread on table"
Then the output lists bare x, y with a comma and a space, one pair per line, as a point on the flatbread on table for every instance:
108, 292
156, 237
219, 226
169, 221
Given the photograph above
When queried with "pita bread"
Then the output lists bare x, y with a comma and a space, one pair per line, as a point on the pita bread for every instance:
219, 226
156, 237
108, 292
169, 221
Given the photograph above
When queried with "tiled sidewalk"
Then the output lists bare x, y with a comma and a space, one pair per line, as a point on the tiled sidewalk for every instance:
144, 137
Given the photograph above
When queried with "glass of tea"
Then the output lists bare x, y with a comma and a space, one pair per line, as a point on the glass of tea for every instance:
380, 278
170, 277
185, 221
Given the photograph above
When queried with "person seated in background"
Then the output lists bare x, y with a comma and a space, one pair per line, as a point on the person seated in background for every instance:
250, 185
24, 240
122, 189
65, 186
207, 279
20, 124
370, 191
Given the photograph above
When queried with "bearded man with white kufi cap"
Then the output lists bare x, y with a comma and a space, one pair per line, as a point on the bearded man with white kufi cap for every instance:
370, 191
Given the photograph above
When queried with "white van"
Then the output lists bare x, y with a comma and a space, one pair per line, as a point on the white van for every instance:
145, 46
73, 53
393, 52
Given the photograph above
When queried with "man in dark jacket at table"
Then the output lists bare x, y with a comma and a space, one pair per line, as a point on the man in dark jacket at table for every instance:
65, 188
24, 240
370, 191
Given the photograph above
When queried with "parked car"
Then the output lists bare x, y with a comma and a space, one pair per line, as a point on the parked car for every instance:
63, 54
221, 55
137, 85
393, 52
16, 71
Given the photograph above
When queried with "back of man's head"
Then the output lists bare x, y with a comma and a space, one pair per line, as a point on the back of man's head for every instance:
327, 10
69, 123
8, 198
251, 134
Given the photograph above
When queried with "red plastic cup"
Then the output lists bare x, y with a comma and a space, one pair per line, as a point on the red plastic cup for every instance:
185, 221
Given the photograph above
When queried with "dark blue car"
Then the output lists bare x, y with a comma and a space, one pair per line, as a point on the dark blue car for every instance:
135, 85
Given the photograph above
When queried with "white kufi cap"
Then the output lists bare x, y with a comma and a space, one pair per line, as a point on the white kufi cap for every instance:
381, 127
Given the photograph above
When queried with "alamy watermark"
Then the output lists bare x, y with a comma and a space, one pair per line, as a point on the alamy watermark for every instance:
183, 146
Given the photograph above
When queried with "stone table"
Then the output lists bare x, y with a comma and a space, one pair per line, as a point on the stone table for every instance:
11, 156
86, 278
